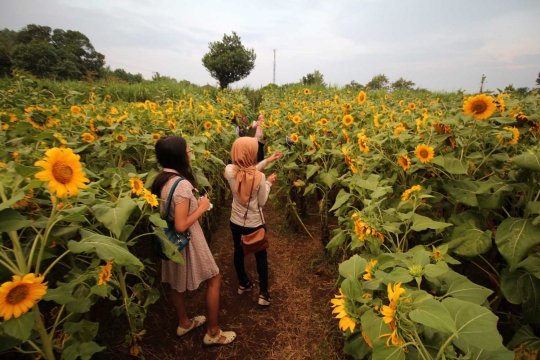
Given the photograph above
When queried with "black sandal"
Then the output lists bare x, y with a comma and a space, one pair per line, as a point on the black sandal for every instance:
245, 288
264, 299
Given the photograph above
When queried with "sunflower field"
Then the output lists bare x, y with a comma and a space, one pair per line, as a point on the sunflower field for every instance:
75, 169
430, 201
436, 209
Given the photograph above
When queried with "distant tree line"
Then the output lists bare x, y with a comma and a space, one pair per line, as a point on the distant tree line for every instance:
56, 54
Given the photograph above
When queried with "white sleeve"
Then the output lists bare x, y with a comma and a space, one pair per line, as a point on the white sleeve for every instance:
260, 166
264, 191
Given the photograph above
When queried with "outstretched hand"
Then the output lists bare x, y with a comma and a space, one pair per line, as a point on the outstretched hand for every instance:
276, 155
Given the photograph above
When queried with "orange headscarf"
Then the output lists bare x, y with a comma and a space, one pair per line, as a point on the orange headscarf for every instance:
244, 156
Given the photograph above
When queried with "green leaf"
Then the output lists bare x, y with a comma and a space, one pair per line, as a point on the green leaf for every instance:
527, 161
352, 289
531, 265
14, 198
421, 223
451, 164
329, 178
437, 269
398, 274
83, 330
341, 198
462, 191
522, 288
389, 353
370, 183
21, 327
87, 349
310, 189
468, 240
459, 287
311, 170
533, 207
514, 238
353, 267
337, 240
11, 220
100, 290
26, 171
526, 338
356, 346
79, 306
115, 216
433, 314
476, 325
156, 219
61, 295
105, 247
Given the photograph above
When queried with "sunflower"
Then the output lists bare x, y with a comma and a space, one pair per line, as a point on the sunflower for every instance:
219, 100
63, 171
482, 106
345, 312
437, 254
190, 103
399, 130
347, 120
105, 274
75, 109
137, 186
362, 143
515, 135
370, 269
404, 162
156, 136
407, 194
207, 125
390, 316
296, 119
307, 92
324, 121
294, 137
20, 295
411, 106
150, 198
424, 153
362, 97
386, 97
88, 137
120, 138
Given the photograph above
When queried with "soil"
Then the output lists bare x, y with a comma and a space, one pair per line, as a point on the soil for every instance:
298, 324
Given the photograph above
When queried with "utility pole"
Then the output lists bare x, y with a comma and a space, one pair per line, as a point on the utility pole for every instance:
274, 66
482, 83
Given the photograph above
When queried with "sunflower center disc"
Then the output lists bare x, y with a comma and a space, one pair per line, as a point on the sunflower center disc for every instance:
17, 294
62, 172
479, 107
424, 153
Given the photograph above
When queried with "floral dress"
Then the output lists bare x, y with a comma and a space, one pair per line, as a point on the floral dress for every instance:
199, 264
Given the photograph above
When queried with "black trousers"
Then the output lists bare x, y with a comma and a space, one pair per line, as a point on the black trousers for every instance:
260, 153
260, 257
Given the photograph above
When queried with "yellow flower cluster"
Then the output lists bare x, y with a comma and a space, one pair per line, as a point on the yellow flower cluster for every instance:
362, 230
407, 194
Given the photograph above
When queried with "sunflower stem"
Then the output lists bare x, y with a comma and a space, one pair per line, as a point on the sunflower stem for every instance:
10, 266
40, 328
51, 334
17, 251
48, 229
55, 262
421, 344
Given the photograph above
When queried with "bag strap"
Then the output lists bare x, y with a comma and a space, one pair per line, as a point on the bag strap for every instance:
247, 207
169, 199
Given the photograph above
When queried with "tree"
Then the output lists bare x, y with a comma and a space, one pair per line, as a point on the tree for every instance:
379, 82
314, 78
8, 39
538, 80
354, 86
59, 54
228, 60
402, 84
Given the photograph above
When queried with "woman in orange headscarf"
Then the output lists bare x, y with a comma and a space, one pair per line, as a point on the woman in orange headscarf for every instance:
250, 189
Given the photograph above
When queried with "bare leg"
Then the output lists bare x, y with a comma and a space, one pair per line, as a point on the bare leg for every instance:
179, 303
212, 306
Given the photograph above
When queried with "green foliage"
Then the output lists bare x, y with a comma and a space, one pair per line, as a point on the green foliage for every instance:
228, 60
378, 82
402, 84
55, 53
314, 78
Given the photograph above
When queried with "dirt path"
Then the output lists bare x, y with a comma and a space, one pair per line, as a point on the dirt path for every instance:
298, 324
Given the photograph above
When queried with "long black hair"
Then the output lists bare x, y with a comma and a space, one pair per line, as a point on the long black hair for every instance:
171, 152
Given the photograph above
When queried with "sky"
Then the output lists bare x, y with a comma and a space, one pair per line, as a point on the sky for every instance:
439, 45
